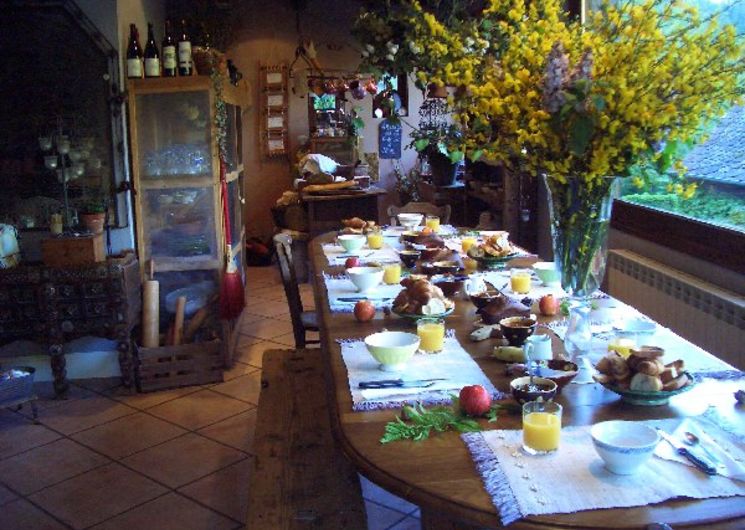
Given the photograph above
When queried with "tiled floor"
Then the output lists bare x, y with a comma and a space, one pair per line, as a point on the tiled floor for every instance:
171, 460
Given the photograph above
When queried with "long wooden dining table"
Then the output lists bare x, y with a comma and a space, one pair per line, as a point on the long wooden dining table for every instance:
439, 475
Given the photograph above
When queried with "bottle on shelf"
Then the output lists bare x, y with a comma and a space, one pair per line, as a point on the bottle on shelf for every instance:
134, 54
184, 51
170, 63
152, 57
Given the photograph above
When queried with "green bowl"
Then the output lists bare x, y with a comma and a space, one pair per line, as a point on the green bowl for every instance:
392, 348
650, 399
493, 262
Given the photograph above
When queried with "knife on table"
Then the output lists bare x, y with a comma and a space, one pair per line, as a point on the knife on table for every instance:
358, 298
700, 463
398, 383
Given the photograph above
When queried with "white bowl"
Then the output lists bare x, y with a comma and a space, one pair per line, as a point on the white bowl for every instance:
392, 348
410, 220
365, 278
547, 272
352, 243
624, 446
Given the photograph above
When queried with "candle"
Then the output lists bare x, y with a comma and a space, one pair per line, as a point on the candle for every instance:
392, 273
431, 335
541, 427
520, 281
375, 240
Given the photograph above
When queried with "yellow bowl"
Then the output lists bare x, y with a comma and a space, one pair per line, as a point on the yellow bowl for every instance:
392, 348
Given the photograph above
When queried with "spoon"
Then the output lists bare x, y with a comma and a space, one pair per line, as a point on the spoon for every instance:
691, 439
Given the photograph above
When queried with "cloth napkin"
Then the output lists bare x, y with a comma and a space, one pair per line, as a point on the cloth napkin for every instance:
342, 287
730, 456
574, 478
453, 364
337, 255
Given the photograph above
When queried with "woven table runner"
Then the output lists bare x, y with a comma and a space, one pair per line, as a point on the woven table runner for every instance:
453, 364
574, 478
342, 287
337, 255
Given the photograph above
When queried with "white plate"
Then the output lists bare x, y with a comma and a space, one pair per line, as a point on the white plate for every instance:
637, 325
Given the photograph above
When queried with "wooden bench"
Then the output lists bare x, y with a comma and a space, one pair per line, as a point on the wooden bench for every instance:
300, 478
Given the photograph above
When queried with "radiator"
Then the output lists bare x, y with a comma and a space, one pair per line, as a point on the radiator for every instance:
704, 314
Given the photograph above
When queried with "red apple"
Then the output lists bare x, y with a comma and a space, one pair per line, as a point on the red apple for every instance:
474, 400
364, 310
548, 305
354, 261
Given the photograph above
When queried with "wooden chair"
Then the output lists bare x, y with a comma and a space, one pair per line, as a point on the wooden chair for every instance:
302, 321
443, 212
300, 479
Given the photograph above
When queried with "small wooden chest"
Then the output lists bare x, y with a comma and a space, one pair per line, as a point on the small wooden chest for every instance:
66, 251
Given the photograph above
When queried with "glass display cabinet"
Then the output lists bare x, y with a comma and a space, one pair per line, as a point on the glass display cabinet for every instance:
176, 174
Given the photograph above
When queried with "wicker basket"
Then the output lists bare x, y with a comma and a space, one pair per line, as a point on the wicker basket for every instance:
19, 388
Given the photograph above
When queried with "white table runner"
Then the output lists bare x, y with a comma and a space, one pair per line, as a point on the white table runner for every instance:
342, 287
336, 255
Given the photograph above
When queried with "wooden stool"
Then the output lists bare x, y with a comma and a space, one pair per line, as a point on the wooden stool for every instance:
300, 478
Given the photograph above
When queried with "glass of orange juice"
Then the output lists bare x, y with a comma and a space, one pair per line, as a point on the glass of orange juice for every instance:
431, 333
467, 242
433, 222
391, 273
375, 239
541, 427
520, 281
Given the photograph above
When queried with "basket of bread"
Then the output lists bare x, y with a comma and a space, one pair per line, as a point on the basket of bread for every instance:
421, 299
494, 251
642, 378
355, 225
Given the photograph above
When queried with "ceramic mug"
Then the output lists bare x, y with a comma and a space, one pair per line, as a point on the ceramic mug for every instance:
538, 348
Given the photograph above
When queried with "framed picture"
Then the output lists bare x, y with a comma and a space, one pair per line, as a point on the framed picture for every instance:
275, 122
275, 100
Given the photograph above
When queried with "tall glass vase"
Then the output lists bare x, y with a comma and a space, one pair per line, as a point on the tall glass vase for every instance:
580, 218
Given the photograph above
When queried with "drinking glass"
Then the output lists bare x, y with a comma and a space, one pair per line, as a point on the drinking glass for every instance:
433, 222
375, 239
392, 273
467, 242
541, 427
431, 332
470, 265
520, 281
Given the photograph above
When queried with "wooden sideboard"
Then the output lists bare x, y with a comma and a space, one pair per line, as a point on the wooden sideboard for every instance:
53, 305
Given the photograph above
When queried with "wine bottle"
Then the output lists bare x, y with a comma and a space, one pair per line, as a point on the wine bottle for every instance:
169, 53
152, 57
184, 51
134, 53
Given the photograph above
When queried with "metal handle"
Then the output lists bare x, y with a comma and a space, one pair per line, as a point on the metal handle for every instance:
385, 383
699, 462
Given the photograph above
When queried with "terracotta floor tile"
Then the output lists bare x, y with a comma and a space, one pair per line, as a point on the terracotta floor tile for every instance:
99, 384
22, 515
97, 495
48, 399
128, 435
225, 491
254, 354
375, 493
169, 512
252, 316
18, 434
6, 495
183, 460
146, 400
380, 517
246, 387
267, 328
246, 340
286, 340
268, 292
199, 409
269, 308
46, 465
238, 369
76, 415
237, 431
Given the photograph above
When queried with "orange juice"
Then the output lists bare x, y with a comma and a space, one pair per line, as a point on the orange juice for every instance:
466, 243
375, 240
431, 335
520, 281
541, 431
470, 265
392, 273
433, 222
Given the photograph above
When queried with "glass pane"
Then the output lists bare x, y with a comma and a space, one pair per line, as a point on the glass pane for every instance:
179, 222
234, 205
173, 135
198, 286
231, 154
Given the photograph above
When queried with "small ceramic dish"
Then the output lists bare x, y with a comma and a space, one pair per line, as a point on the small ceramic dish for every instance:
480, 300
416, 316
392, 348
446, 267
409, 257
636, 325
624, 446
517, 329
523, 392
560, 372
451, 285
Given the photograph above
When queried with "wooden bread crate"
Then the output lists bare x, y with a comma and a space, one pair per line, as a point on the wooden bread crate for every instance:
184, 365
66, 251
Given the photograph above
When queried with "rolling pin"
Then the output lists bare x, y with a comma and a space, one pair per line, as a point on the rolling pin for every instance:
178, 324
151, 310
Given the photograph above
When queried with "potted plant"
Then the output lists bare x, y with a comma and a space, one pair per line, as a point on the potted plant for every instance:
434, 143
93, 215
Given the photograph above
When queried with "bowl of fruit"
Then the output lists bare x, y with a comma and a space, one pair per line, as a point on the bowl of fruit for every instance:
494, 252
421, 299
